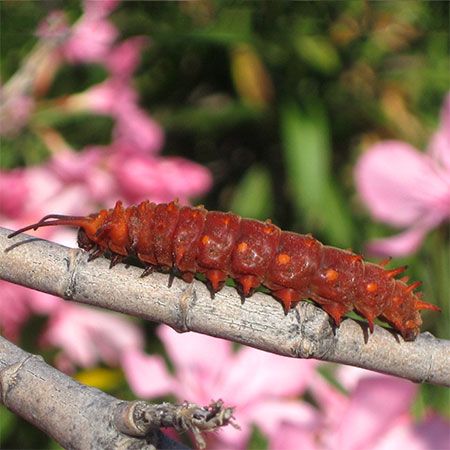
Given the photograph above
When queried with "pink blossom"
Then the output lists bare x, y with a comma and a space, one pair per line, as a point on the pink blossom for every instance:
260, 385
293, 437
107, 98
90, 40
41, 191
17, 304
160, 179
125, 56
115, 97
430, 434
89, 170
14, 309
406, 188
13, 193
135, 128
93, 35
293, 424
86, 335
375, 415
99, 9
15, 110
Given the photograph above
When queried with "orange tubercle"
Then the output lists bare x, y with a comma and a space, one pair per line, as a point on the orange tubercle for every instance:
242, 247
248, 283
216, 278
331, 275
288, 297
283, 258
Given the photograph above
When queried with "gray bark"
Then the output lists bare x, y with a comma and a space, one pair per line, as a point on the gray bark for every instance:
305, 332
82, 417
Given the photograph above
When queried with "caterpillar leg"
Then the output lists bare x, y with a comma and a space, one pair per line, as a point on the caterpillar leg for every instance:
173, 272
116, 259
188, 277
336, 310
288, 298
369, 315
215, 280
95, 253
247, 284
148, 270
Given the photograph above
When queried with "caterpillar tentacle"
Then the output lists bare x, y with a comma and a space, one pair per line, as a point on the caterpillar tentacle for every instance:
184, 240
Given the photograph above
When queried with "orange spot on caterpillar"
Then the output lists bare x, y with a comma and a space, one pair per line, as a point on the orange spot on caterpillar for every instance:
372, 287
283, 258
331, 275
205, 240
242, 247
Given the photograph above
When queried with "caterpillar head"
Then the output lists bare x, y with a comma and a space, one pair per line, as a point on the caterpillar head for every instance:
83, 240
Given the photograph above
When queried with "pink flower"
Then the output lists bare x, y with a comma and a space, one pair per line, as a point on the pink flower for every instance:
159, 179
91, 36
406, 188
14, 309
135, 128
13, 193
125, 57
99, 9
15, 110
86, 335
18, 304
89, 170
260, 385
375, 415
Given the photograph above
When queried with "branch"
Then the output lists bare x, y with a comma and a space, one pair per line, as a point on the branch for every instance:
80, 417
305, 332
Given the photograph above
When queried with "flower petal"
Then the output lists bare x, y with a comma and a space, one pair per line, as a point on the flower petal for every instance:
402, 244
86, 334
433, 433
147, 375
268, 375
374, 406
398, 183
272, 414
199, 361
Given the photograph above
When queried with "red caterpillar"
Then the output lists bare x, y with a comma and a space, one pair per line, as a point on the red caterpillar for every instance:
292, 266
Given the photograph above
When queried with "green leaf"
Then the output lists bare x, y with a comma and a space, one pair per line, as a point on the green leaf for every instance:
253, 196
318, 53
307, 156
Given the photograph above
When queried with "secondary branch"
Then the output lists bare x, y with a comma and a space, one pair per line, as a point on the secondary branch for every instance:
81, 417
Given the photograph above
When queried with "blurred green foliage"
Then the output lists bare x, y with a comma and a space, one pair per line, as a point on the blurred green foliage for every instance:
278, 99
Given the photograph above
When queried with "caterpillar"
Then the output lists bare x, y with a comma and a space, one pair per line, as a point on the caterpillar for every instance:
186, 240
